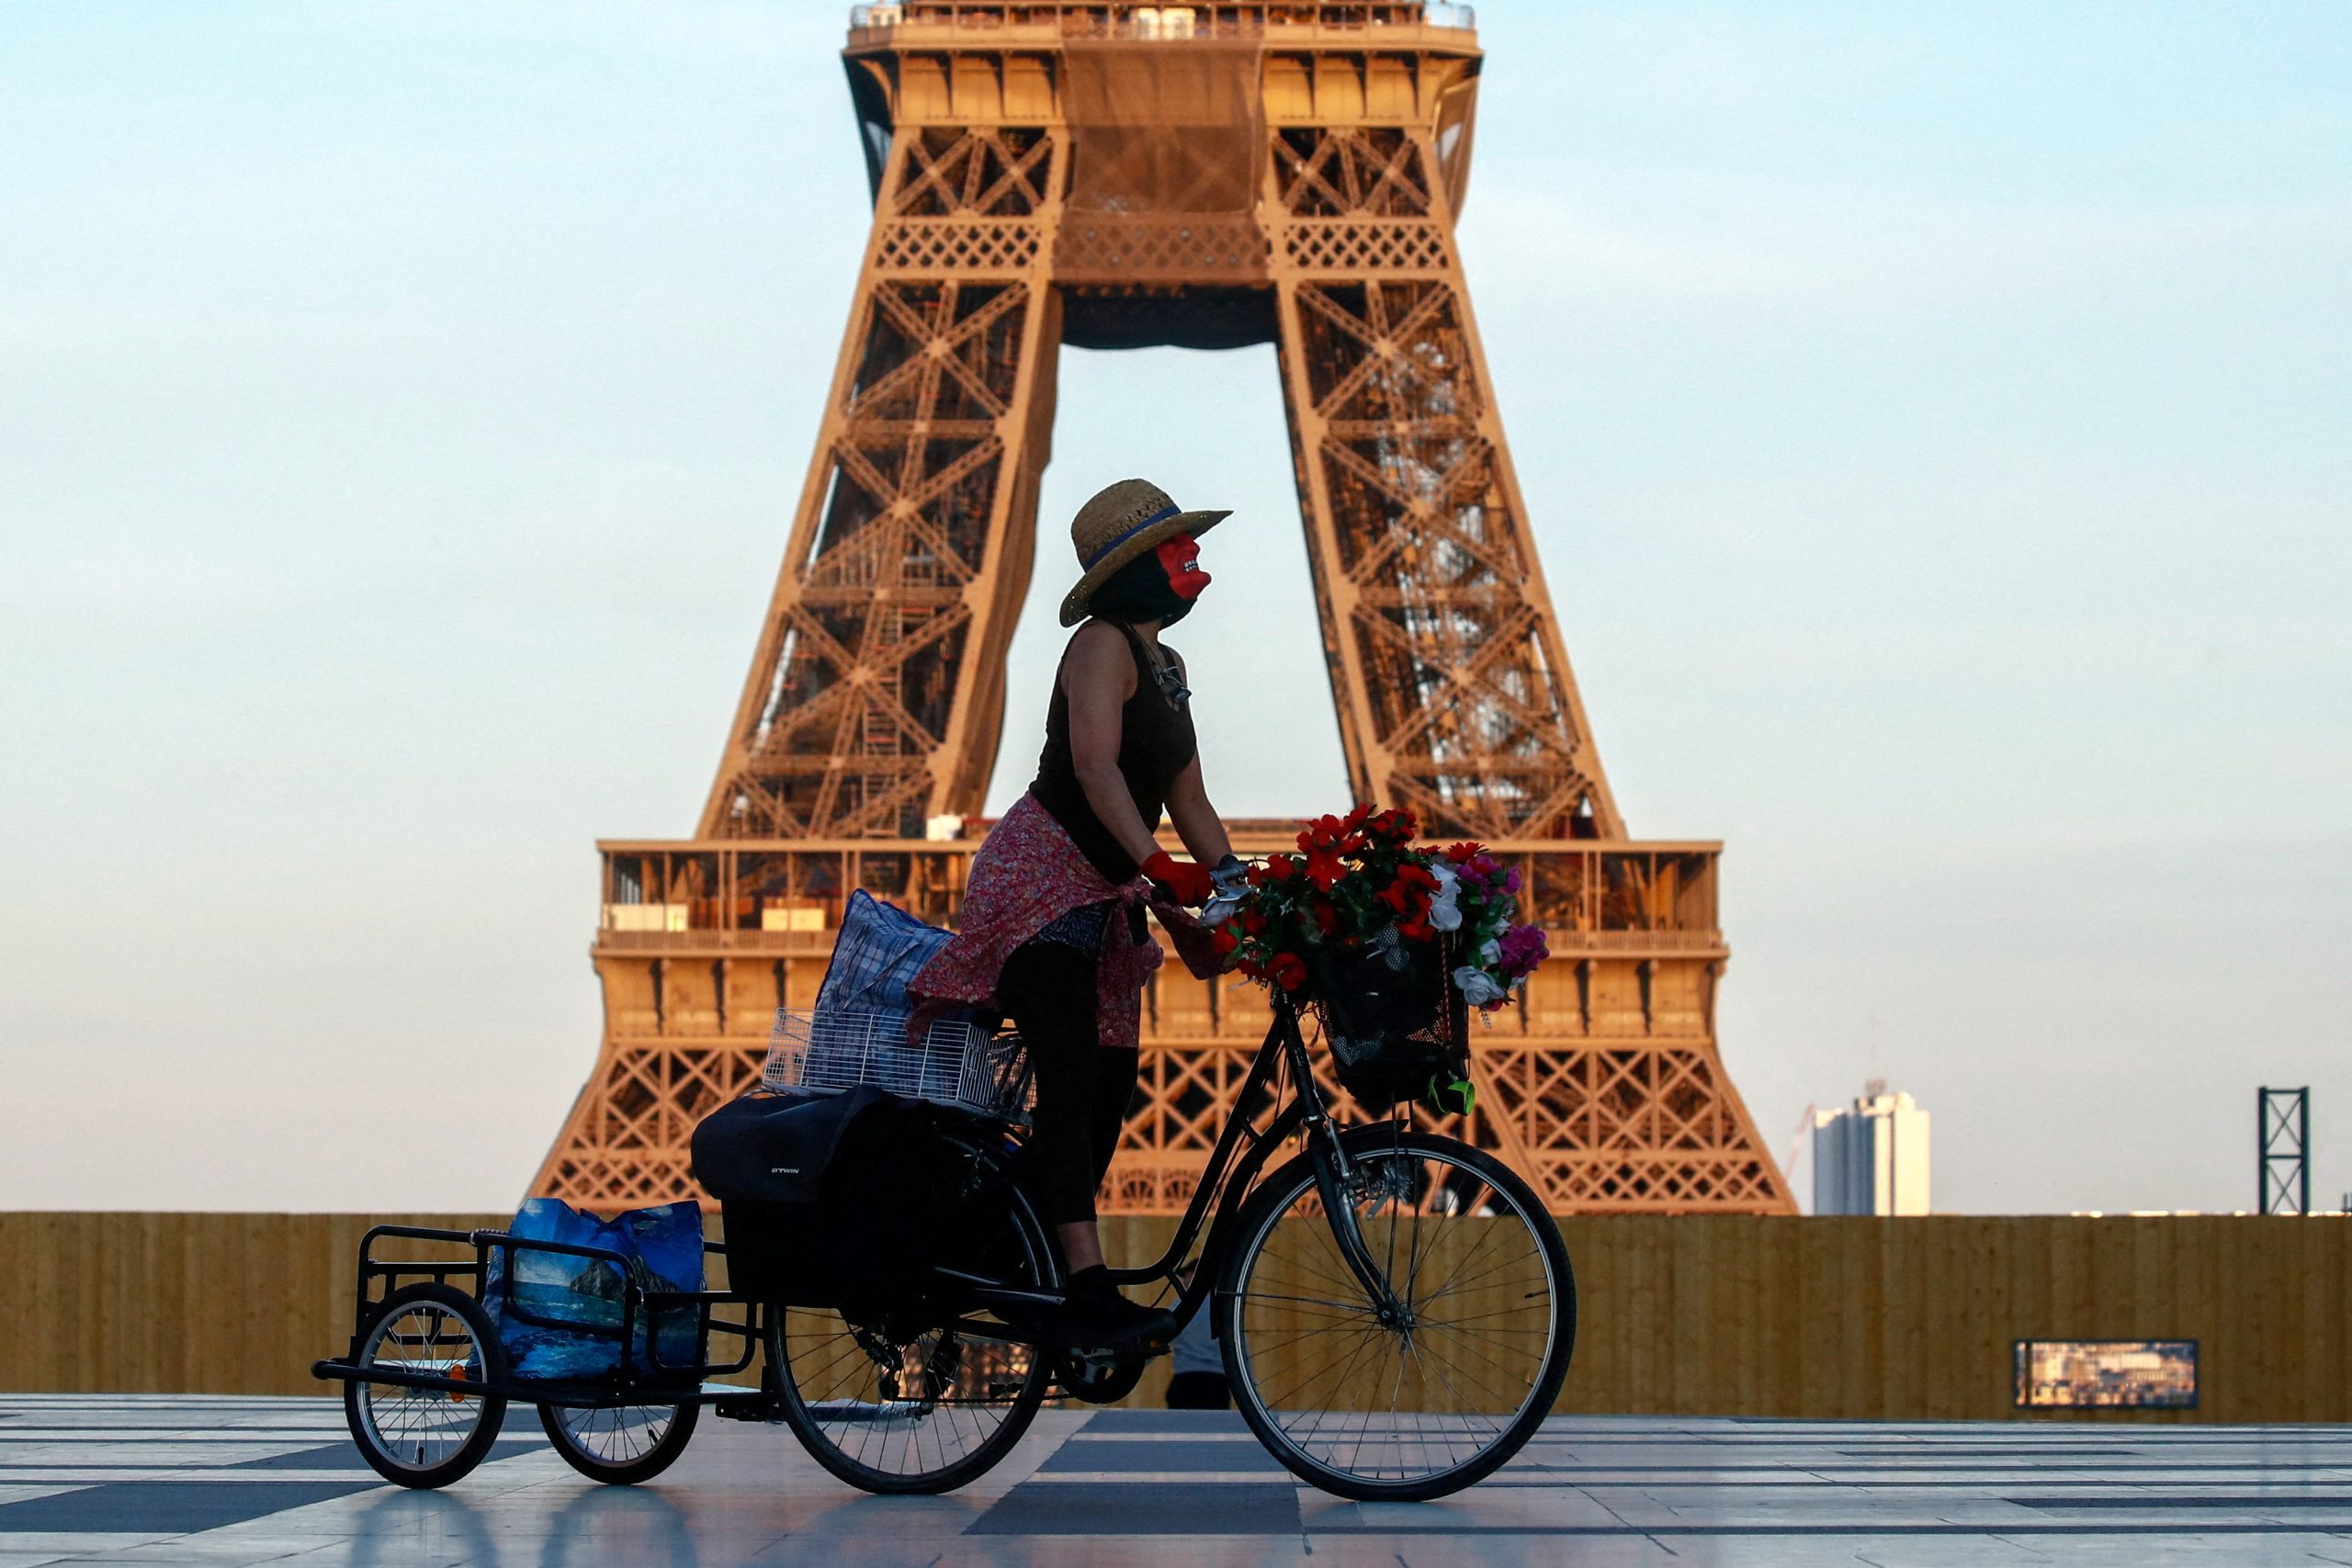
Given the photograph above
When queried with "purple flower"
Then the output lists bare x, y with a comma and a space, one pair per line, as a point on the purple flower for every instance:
1510, 880
1524, 947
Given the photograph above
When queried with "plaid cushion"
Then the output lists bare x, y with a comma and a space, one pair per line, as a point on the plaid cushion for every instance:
881, 947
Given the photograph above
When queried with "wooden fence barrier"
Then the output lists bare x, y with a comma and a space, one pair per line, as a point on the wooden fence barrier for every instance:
1892, 1319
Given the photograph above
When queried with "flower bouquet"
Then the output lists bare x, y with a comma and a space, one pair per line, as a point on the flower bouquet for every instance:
1379, 937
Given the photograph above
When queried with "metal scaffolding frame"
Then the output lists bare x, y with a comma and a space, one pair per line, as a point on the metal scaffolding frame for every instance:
2283, 1143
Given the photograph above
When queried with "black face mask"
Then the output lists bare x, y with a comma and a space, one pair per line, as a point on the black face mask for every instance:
1139, 590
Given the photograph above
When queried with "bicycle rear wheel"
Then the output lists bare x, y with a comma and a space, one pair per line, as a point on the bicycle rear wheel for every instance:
1433, 1400
910, 1402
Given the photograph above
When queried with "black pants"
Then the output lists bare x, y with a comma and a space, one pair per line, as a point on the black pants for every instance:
1083, 1089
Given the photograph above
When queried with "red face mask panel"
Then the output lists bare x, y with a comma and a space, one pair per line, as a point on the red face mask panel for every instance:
1181, 559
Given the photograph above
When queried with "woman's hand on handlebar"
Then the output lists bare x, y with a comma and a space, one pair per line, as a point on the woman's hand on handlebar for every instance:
1187, 882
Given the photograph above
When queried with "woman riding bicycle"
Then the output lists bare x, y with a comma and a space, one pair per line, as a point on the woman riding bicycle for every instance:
1052, 930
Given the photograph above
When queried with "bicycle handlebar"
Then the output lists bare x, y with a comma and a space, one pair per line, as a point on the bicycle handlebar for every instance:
1231, 881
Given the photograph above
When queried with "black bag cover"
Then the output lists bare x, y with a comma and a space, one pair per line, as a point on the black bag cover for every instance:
1392, 1031
844, 1200
774, 1147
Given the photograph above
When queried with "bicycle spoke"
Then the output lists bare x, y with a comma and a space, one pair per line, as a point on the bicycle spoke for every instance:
1352, 1308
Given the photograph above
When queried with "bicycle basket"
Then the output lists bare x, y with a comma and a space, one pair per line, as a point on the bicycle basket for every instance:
1393, 1017
957, 1063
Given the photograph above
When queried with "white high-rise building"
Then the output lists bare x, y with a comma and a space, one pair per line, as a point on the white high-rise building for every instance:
1871, 1159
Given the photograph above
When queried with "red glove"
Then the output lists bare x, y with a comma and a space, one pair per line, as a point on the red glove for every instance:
1186, 881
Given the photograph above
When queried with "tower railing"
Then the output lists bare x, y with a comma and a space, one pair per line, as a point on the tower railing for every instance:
1230, 19
790, 894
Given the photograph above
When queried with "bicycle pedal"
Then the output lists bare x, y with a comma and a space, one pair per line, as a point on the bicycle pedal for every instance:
756, 1407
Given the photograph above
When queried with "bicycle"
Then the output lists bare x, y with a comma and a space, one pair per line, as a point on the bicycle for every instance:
1395, 1307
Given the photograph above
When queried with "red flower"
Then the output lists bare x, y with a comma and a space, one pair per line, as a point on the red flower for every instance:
1287, 970
1323, 868
1327, 916
1362, 814
1410, 891
1225, 939
1320, 833
1252, 921
1462, 854
1415, 930
1275, 870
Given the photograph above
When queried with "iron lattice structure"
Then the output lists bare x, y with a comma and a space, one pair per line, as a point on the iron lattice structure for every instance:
1112, 176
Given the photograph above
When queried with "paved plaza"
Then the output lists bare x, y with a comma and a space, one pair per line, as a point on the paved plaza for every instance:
87, 1479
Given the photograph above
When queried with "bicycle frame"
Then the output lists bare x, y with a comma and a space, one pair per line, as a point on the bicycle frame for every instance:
1225, 1184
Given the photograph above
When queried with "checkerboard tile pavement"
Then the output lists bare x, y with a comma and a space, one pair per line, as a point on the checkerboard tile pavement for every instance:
90, 1479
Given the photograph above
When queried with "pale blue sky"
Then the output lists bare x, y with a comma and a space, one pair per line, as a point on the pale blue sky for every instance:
1934, 417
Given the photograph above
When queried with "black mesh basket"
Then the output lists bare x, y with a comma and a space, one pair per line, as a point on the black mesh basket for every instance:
1394, 1028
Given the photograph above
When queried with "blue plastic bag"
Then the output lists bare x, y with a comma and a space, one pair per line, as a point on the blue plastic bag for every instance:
558, 1300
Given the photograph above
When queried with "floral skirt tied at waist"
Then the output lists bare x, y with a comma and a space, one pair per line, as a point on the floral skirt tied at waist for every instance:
1048, 939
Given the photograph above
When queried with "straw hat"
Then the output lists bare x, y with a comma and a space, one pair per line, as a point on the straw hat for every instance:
1126, 520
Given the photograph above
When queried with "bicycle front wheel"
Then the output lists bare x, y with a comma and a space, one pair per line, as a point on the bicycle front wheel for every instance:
1433, 1397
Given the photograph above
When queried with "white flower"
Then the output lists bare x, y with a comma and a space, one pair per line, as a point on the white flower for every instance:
1445, 914
1490, 950
1477, 986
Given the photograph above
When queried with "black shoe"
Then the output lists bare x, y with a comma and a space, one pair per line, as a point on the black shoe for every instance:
1096, 1317
1199, 1390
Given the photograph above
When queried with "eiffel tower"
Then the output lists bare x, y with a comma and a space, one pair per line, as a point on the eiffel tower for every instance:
1115, 175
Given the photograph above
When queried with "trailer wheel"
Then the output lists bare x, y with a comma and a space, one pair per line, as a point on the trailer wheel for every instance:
426, 1436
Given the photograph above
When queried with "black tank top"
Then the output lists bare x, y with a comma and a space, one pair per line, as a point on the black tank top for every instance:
1156, 742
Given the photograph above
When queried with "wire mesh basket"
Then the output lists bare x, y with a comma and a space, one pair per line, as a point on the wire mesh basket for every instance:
957, 1063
